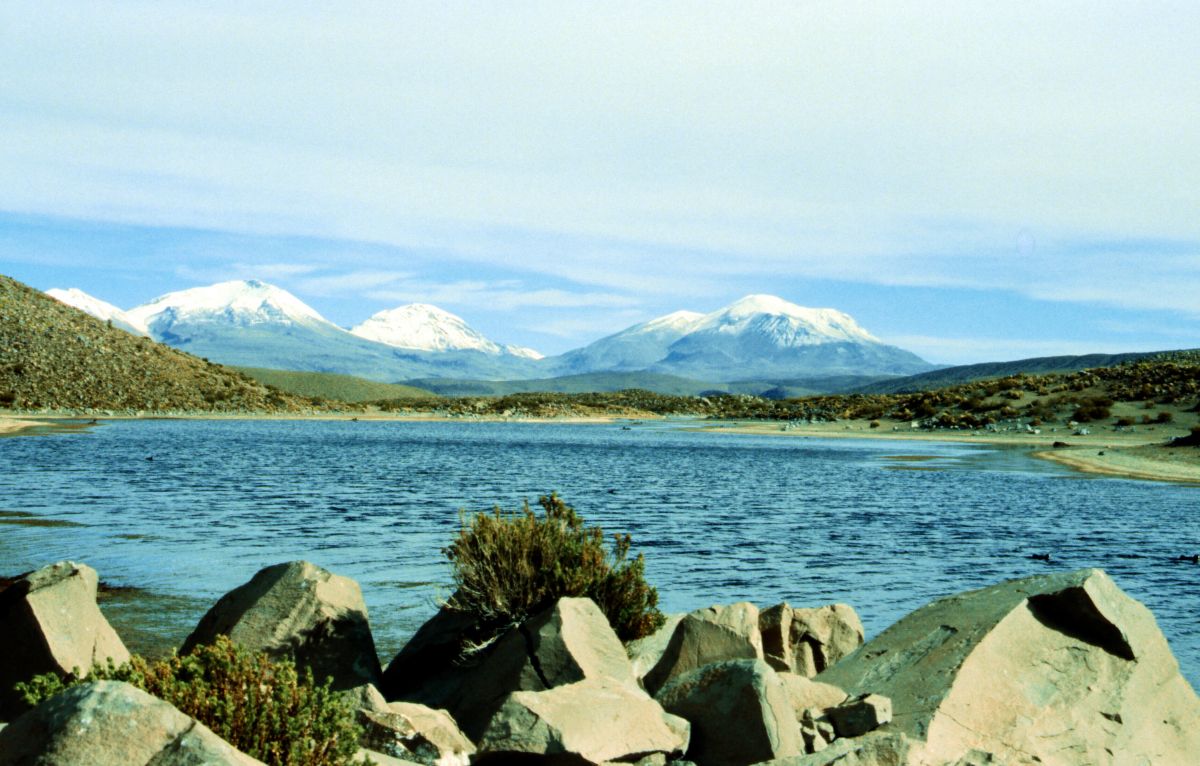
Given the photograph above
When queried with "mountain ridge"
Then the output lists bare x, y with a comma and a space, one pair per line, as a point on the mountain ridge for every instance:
255, 324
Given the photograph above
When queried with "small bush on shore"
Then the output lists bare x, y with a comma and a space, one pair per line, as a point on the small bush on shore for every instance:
510, 566
261, 706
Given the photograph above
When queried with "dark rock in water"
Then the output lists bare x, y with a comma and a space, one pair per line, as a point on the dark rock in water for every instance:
109, 723
51, 624
1029, 670
303, 612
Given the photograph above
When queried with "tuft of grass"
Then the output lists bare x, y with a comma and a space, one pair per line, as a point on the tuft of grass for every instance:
263, 707
510, 566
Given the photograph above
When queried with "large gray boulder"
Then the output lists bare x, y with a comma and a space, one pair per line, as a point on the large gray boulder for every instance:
109, 723
1055, 669
591, 721
415, 733
645, 653
568, 642
713, 634
301, 612
50, 623
806, 641
739, 711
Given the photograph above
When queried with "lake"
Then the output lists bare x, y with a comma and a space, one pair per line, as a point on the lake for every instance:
188, 510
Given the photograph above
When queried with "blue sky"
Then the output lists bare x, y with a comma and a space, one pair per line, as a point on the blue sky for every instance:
972, 181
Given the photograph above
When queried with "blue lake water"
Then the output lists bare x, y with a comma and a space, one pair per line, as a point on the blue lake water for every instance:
883, 525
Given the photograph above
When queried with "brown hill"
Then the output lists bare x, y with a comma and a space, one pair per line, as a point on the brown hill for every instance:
55, 357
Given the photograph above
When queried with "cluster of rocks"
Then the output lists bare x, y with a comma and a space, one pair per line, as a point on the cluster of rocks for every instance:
1056, 669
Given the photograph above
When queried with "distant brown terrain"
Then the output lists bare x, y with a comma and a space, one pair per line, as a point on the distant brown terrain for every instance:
55, 357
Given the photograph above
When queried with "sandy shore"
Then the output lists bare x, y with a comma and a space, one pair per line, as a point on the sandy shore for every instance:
1133, 453
10, 425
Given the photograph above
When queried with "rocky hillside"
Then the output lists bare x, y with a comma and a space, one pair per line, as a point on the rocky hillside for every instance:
54, 357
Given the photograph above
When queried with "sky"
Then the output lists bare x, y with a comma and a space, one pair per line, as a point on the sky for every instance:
972, 181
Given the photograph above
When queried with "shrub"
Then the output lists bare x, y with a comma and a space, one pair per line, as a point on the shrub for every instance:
508, 567
1124, 422
1164, 417
262, 707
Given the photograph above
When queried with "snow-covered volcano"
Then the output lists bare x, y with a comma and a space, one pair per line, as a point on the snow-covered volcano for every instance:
759, 336
255, 324
424, 327
237, 303
102, 310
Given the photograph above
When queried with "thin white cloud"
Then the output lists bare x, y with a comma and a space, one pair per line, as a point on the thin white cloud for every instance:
501, 296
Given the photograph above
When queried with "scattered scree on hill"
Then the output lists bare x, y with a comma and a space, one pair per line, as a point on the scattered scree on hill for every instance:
56, 357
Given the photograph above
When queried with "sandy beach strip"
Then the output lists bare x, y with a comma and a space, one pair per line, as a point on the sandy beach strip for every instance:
1154, 462
1128, 454
11, 425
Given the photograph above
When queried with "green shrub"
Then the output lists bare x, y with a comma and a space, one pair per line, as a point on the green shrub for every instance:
261, 706
510, 566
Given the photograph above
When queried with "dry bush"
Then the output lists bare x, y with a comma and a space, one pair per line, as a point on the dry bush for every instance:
510, 566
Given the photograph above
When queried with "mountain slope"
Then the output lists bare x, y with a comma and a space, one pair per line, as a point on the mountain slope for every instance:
54, 356
634, 348
102, 310
328, 385
757, 337
968, 373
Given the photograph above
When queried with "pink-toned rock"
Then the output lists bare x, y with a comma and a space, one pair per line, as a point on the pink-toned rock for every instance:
806, 641
49, 623
712, 634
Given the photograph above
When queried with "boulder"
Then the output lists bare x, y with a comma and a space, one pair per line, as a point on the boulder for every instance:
1059, 669
816, 730
52, 624
109, 723
805, 693
591, 721
415, 733
739, 712
859, 715
365, 697
644, 653
302, 612
714, 634
807, 641
875, 749
437, 645
568, 642
375, 758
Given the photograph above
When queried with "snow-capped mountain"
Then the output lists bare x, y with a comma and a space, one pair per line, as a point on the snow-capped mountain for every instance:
102, 310
759, 336
634, 348
255, 324
238, 303
423, 327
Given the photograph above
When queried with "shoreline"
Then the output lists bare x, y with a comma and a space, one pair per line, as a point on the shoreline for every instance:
1129, 454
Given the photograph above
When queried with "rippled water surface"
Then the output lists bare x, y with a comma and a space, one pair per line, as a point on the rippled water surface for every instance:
190, 509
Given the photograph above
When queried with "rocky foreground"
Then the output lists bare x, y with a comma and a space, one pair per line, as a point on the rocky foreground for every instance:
1055, 669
